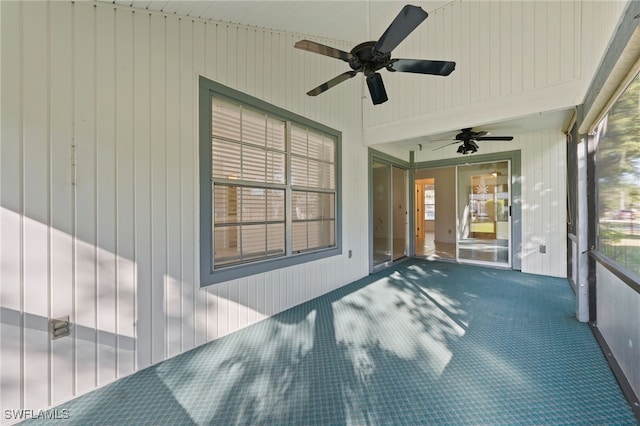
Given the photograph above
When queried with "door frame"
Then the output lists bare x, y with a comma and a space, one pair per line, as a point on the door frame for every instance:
381, 157
514, 157
458, 237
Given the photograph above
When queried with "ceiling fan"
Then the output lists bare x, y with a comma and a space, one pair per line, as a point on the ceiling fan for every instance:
371, 56
469, 138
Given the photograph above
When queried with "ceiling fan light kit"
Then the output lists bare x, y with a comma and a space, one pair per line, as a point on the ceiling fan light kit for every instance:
468, 147
371, 56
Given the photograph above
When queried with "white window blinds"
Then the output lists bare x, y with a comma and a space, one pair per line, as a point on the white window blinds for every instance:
250, 151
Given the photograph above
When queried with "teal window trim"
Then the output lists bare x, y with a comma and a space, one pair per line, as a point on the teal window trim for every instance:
209, 275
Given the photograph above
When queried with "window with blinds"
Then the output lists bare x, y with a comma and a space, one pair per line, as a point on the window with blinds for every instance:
273, 186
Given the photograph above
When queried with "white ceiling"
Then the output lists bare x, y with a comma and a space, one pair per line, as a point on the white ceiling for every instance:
343, 20
528, 124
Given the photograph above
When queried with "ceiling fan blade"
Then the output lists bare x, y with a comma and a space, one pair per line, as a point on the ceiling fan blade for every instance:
481, 134
420, 66
443, 146
495, 138
312, 46
376, 88
407, 20
331, 83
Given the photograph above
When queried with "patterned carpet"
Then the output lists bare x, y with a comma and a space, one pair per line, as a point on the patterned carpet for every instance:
420, 343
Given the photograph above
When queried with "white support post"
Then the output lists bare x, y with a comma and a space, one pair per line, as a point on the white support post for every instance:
582, 255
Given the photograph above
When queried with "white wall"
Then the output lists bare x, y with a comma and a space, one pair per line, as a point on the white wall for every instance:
99, 184
543, 201
513, 59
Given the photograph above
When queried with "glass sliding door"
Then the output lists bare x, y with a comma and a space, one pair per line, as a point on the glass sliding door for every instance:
381, 186
483, 212
389, 186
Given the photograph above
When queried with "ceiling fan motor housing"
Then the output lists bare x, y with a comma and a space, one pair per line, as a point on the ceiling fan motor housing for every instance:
365, 58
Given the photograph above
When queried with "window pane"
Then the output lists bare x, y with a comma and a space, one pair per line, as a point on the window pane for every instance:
275, 205
225, 120
315, 146
298, 140
226, 247
254, 241
226, 159
253, 127
314, 174
275, 167
328, 176
275, 134
618, 173
275, 239
329, 150
253, 164
225, 204
314, 208
320, 234
298, 205
299, 236
328, 202
299, 171
254, 201
332, 233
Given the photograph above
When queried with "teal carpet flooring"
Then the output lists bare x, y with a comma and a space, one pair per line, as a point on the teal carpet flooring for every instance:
421, 343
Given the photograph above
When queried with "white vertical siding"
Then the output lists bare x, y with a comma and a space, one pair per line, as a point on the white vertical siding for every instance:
62, 215
543, 198
99, 184
540, 55
11, 219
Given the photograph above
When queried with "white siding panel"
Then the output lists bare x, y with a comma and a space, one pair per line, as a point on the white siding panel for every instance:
11, 217
61, 131
158, 154
106, 194
190, 183
142, 187
543, 203
569, 11
85, 251
516, 51
505, 41
125, 197
554, 53
212, 311
36, 209
173, 279
186, 191
494, 66
99, 189
540, 42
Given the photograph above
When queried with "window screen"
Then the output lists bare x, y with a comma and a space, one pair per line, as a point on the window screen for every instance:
618, 180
